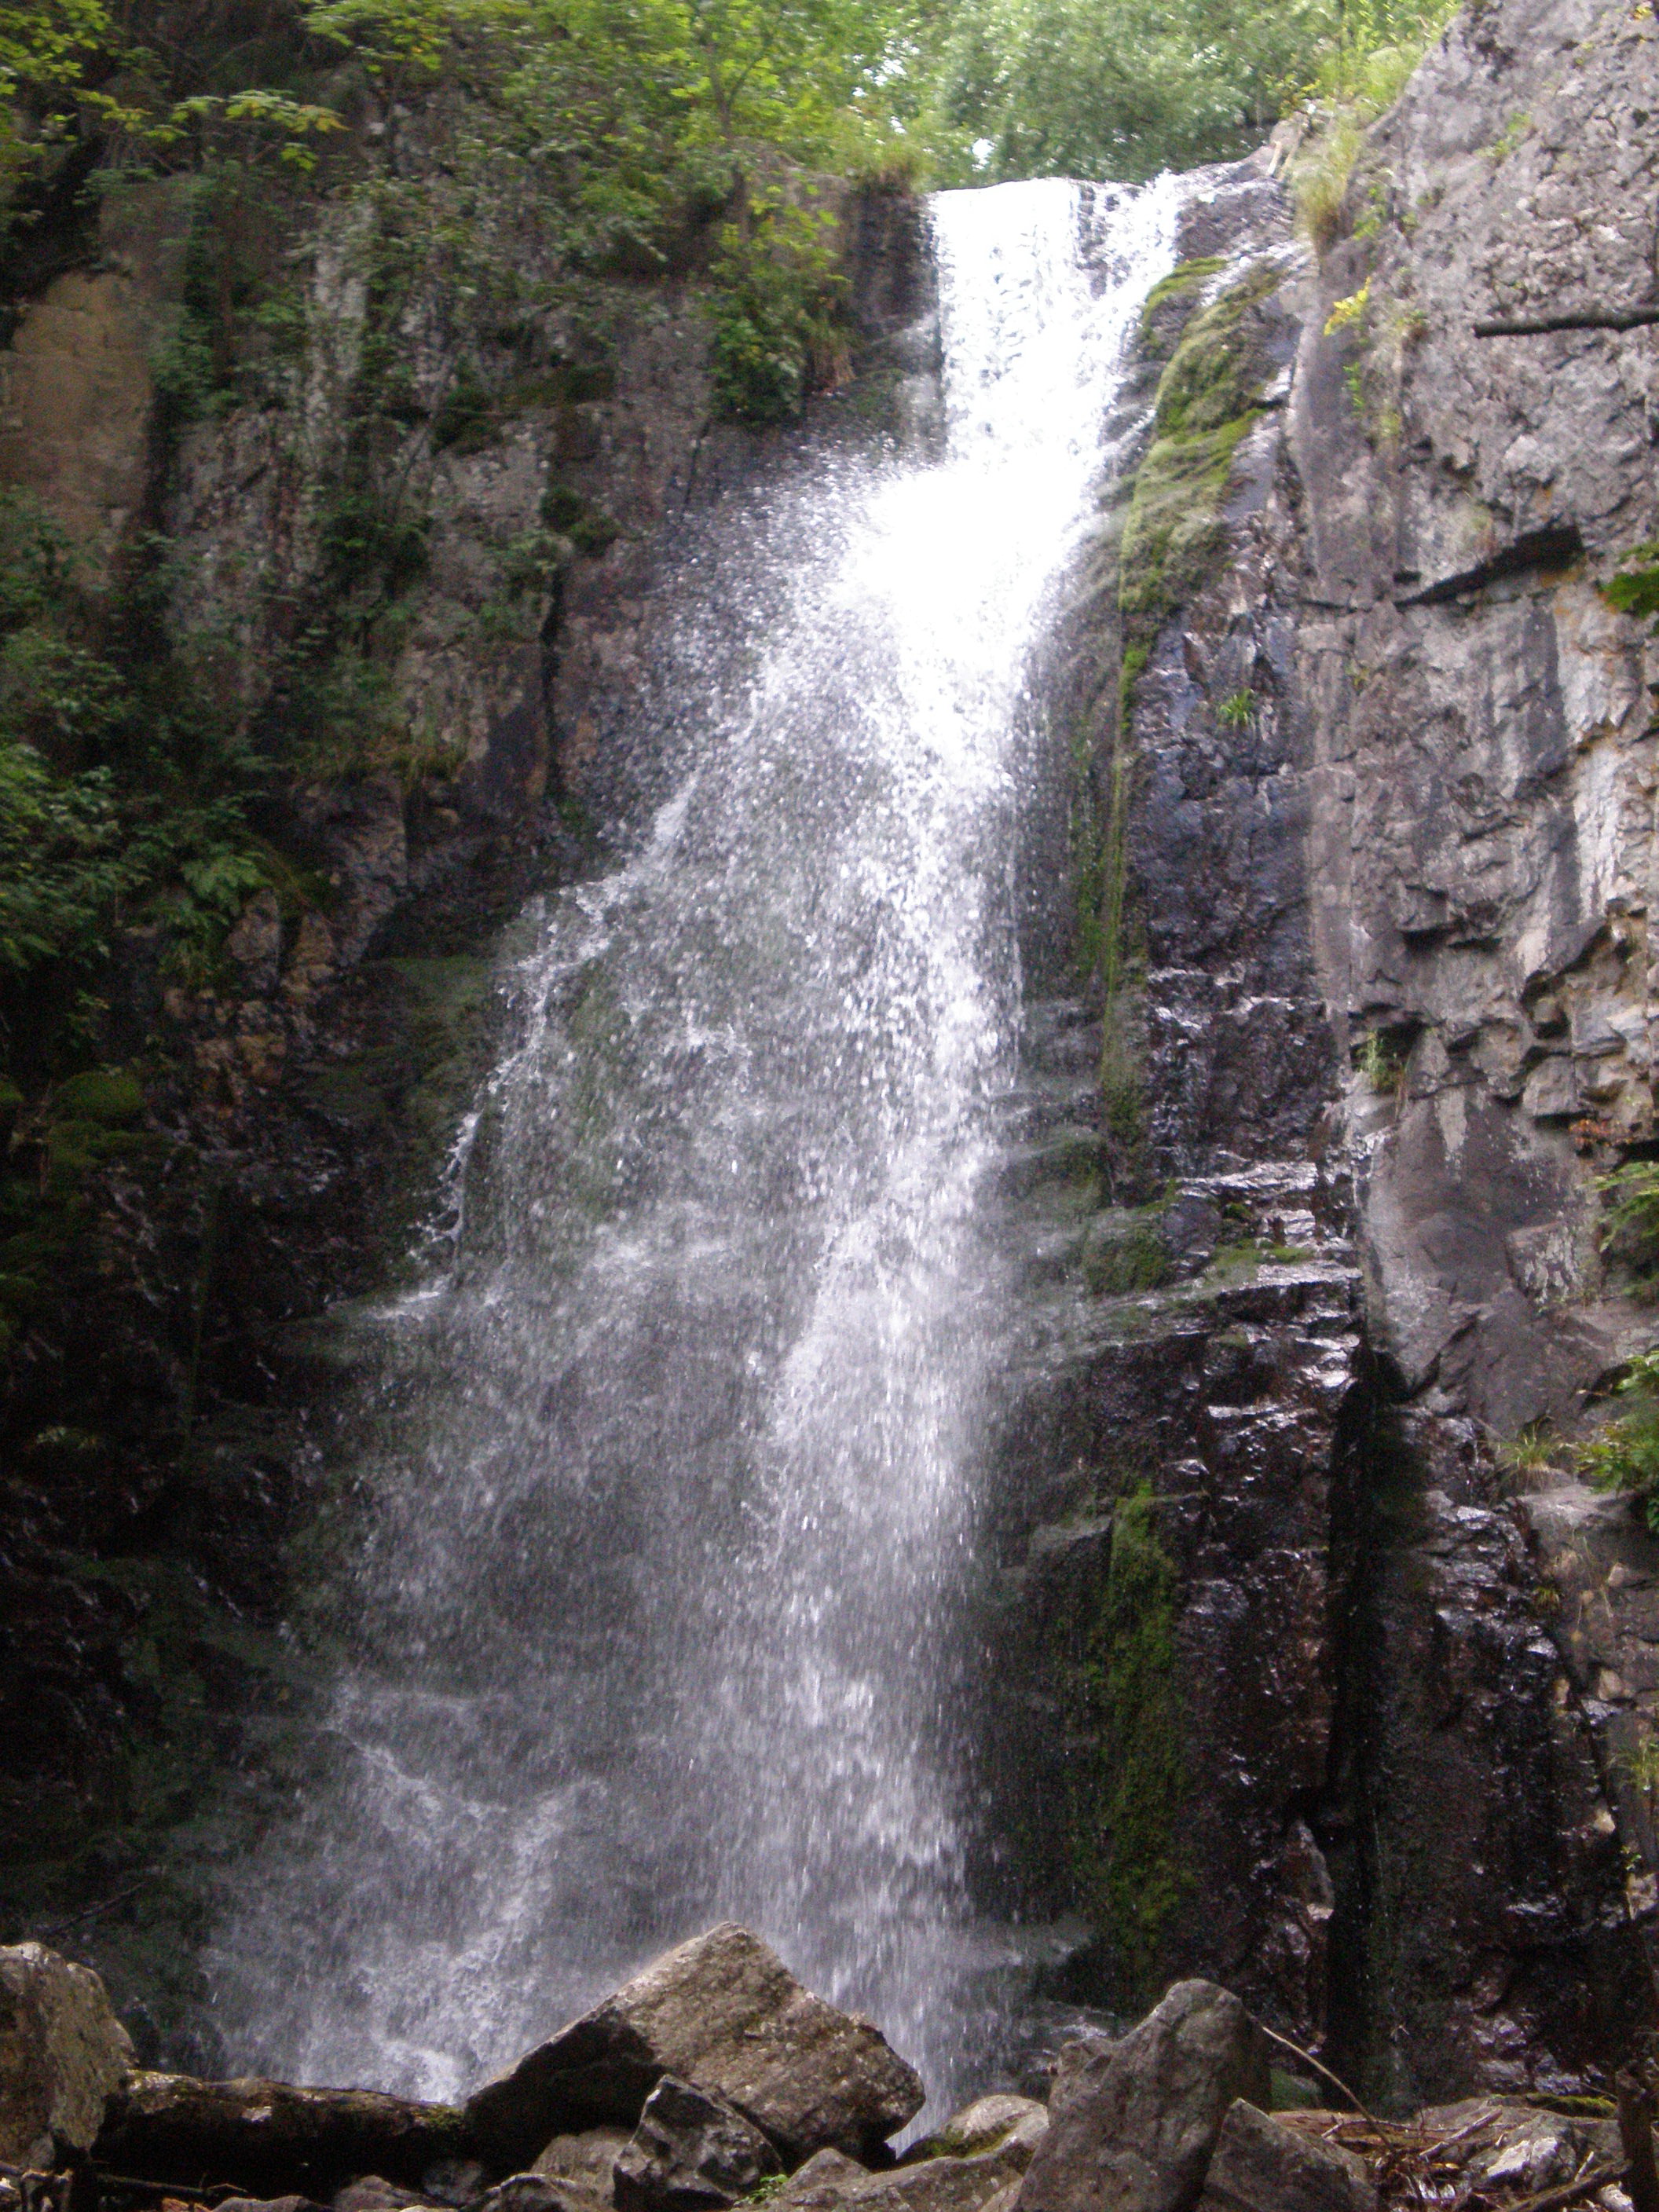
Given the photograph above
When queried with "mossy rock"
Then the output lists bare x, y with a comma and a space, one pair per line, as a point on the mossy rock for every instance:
1206, 403
1173, 530
111, 1096
1171, 300
1124, 1251
1215, 371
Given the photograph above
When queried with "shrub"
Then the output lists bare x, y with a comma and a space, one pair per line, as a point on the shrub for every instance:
774, 305
1624, 1456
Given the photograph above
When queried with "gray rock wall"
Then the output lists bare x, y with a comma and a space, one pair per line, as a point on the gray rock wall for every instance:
1374, 759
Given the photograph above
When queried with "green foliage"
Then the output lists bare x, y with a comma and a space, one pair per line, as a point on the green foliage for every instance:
122, 789
1624, 1456
1124, 88
1237, 710
1380, 1060
776, 287
1635, 589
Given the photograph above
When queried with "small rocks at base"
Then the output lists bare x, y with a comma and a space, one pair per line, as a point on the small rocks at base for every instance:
1260, 2165
691, 2151
1139, 2120
63, 2054
724, 2014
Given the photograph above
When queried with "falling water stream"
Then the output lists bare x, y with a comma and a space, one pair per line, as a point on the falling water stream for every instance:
661, 1613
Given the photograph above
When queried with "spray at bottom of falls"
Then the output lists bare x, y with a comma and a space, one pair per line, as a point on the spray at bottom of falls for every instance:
669, 1518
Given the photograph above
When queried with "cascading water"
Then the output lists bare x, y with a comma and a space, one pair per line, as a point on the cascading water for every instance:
672, 1505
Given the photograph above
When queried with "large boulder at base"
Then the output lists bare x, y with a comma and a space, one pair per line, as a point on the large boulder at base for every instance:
1140, 2118
62, 2054
691, 2153
724, 2014
268, 2138
1260, 2165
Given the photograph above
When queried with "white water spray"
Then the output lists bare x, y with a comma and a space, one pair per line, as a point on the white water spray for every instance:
672, 1483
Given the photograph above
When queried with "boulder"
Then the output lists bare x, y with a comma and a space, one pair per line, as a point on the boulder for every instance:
62, 2052
267, 2204
1001, 2121
989, 2181
827, 2181
725, 2014
690, 2150
1140, 2117
267, 2137
454, 2181
370, 2193
1260, 2165
527, 2192
584, 2165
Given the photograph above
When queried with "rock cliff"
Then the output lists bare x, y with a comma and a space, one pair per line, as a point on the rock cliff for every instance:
1342, 1691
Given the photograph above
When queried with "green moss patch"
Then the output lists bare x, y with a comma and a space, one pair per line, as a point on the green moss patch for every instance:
1180, 284
1207, 402
1140, 1876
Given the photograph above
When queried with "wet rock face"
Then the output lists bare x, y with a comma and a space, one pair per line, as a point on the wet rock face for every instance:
1483, 764
1379, 993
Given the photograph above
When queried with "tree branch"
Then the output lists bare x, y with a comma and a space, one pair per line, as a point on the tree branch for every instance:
1591, 319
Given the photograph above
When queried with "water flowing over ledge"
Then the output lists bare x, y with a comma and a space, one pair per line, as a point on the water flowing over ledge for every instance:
672, 1501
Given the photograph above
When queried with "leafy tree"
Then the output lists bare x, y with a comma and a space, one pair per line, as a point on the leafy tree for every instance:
1121, 88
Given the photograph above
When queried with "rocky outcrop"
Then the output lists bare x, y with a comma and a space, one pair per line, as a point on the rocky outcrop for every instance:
63, 2054
723, 2014
689, 2150
1140, 2122
1370, 814
1261, 2166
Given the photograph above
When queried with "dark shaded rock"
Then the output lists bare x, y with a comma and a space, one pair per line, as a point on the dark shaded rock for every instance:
269, 2204
724, 2014
454, 2181
1136, 2131
690, 2149
1261, 2166
61, 2053
372, 2194
264, 2135
584, 2165
528, 2192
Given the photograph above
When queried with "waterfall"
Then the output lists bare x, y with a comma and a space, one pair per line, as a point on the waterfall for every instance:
669, 1507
